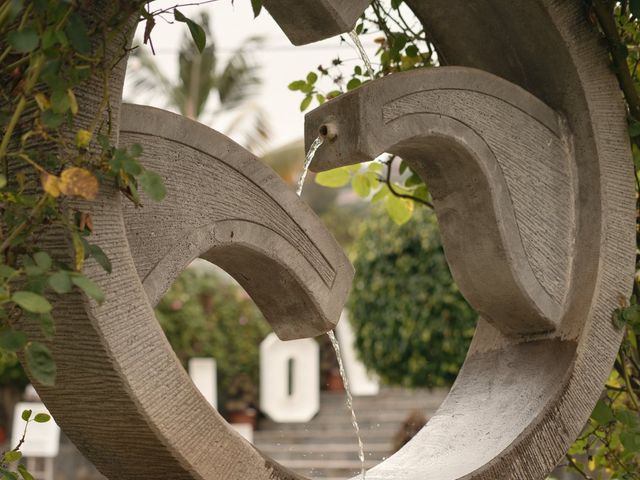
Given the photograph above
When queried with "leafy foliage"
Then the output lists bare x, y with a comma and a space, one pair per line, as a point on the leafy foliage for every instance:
206, 316
51, 152
412, 325
15, 455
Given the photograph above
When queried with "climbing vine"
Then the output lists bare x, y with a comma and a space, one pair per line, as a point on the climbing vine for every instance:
54, 158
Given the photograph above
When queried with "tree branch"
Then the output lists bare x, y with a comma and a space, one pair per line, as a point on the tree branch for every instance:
387, 181
604, 12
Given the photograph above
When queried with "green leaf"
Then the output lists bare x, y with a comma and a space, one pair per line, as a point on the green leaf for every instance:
628, 418
51, 119
399, 209
131, 165
312, 78
12, 340
602, 414
297, 85
98, 254
23, 41
12, 456
60, 282
15, 8
77, 34
634, 128
631, 441
353, 83
197, 32
6, 271
46, 324
631, 314
3, 181
88, 287
43, 260
42, 418
361, 185
26, 415
256, 5
7, 475
412, 51
31, 302
40, 363
380, 194
135, 150
49, 38
153, 185
306, 102
60, 101
336, 178
25, 473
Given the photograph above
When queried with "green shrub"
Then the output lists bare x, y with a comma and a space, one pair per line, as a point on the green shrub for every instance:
204, 315
412, 326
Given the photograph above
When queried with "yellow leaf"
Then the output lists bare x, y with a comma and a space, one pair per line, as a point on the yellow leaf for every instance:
76, 181
78, 247
73, 103
50, 184
42, 101
83, 138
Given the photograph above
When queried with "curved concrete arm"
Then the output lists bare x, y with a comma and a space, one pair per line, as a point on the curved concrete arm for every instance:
225, 206
307, 21
528, 383
537, 216
500, 171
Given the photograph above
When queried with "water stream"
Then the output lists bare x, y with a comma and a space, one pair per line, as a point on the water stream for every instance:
345, 381
332, 336
363, 54
310, 154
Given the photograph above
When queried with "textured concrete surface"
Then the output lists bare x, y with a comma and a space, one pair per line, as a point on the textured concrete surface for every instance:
225, 206
533, 184
307, 21
525, 150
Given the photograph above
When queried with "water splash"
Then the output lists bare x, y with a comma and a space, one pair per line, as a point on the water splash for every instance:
345, 381
363, 54
310, 154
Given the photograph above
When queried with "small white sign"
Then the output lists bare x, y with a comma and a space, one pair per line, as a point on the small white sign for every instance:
204, 375
360, 382
289, 379
42, 439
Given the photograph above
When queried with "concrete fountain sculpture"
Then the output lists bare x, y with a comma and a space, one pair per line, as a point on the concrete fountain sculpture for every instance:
524, 147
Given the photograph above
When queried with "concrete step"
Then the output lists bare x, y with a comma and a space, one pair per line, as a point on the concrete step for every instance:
314, 436
350, 447
325, 448
328, 468
322, 452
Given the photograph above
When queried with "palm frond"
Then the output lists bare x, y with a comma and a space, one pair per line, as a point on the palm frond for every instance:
240, 77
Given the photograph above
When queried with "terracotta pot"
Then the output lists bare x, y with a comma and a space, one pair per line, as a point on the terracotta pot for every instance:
334, 382
248, 415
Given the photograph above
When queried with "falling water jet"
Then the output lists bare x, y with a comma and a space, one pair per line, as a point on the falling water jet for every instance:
310, 154
345, 381
363, 54
329, 132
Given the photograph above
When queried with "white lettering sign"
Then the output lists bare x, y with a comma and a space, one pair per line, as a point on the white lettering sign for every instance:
289, 379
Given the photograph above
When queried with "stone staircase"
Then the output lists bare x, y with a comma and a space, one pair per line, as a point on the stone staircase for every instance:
326, 448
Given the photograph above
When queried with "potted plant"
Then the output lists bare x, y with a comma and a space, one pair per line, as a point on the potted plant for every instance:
242, 397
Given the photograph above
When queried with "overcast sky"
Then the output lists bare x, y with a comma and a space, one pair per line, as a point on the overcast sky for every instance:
281, 61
